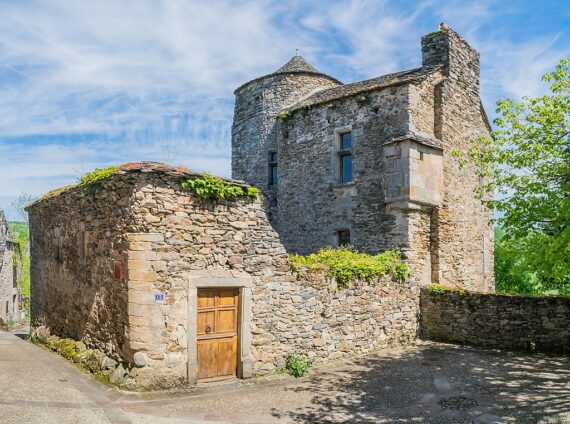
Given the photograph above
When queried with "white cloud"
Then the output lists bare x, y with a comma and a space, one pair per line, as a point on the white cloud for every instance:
89, 84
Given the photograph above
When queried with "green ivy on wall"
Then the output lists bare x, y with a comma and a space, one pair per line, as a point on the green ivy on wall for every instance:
346, 265
207, 187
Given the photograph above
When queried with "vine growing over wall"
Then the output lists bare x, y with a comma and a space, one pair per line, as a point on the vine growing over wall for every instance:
346, 266
207, 187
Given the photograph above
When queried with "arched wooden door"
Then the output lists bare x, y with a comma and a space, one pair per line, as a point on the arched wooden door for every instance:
217, 332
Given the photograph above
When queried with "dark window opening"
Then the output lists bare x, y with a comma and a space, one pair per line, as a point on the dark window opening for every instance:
345, 158
421, 155
346, 141
343, 238
273, 170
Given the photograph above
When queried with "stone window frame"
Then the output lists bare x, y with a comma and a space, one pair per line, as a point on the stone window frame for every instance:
211, 280
339, 152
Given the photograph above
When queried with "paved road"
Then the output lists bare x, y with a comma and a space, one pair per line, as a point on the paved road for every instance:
428, 383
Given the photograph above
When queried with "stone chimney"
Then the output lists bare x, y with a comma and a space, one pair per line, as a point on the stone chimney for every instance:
461, 61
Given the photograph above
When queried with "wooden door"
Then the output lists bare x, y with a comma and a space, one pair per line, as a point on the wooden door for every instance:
217, 333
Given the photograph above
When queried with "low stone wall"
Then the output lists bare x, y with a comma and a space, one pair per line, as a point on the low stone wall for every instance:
497, 320
310, 316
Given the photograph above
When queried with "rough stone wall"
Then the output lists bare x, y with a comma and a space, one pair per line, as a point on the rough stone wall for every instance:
175, 236
163, 236
462, 239
75, 241
312, 202
309, 316
254, 131
8, 273
495, 320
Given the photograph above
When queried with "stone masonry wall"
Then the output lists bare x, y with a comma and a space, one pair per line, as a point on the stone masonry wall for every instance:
312, 202
462, 239
254, 130
8, 273
497, 320
77, 240
163, 236
310, 316
176, 236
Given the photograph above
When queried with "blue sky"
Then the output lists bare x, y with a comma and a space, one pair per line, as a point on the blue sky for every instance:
92, 84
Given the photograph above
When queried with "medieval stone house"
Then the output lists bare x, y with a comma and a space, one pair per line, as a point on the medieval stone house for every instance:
176, 289
9, 272
371, 163
173, 288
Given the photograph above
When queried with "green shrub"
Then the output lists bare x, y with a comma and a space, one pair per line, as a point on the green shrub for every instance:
207, 187
441, 289
346, 265
10, 323
92, 180
296, 365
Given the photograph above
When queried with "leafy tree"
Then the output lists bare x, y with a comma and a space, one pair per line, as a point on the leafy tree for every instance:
19, 205
527, 165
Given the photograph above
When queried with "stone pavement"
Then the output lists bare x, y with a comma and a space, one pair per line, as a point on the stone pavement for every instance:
427, 383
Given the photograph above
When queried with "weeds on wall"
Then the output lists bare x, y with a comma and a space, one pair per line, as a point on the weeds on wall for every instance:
346, 265
441, 289
207, 187
91, 182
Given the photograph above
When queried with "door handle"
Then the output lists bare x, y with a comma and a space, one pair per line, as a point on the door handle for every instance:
208, 329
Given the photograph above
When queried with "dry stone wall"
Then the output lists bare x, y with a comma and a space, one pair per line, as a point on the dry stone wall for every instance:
497, 320
163, 236
77, 242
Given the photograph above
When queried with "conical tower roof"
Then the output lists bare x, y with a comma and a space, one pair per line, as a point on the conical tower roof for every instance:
297, 64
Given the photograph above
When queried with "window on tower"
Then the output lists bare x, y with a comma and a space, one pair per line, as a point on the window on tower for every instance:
345, 157
273, 170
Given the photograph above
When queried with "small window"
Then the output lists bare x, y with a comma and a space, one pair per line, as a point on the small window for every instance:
345, 158
346, 141
421, 155
343, 238
273, 171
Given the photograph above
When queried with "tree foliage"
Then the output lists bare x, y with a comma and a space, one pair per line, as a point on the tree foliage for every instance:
527, 166
20, 203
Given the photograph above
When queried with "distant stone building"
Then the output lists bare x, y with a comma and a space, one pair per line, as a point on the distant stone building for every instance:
174, 289
9, 272
371, 163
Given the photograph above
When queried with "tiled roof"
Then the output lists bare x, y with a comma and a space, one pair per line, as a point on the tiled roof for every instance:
346, 90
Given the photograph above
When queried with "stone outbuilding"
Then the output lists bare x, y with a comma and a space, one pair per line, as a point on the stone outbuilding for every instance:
9, 272
174, 288
372, 163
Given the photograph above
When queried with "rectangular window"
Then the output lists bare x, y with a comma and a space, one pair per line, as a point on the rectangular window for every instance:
343, 238
273, 172
345, 158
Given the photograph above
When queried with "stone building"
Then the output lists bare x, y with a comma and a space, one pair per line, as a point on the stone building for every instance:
9, 272
371, 163
172, 288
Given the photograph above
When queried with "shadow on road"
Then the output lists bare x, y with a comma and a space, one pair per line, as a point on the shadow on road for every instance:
450, 382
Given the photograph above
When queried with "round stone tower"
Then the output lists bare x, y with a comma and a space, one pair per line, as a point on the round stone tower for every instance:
254, 131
